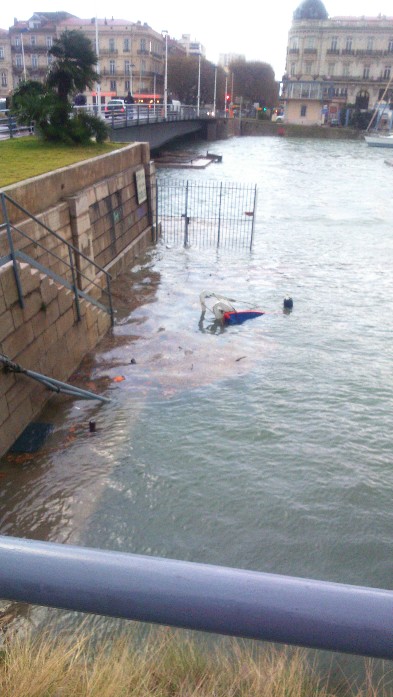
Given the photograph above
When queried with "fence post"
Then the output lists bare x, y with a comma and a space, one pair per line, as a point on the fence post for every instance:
12, 252
253, 218
186, 218
219, 217
74, 285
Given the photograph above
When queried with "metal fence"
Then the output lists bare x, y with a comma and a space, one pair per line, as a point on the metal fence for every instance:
206, 214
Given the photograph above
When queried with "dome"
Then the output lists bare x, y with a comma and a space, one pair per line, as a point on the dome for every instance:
311, 9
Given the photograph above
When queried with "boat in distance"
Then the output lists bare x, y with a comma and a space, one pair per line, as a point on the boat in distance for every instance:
379, 141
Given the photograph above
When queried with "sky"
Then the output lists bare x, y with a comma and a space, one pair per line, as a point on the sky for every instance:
257, 31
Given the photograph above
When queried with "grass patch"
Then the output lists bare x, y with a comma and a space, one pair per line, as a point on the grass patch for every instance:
22, 158
166, 663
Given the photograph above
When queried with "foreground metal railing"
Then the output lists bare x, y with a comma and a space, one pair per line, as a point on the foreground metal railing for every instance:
303, 612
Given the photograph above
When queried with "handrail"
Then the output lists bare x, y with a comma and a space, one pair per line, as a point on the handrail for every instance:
236, 602
73, 252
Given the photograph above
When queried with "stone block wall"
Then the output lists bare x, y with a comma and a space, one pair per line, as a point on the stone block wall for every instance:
94, 206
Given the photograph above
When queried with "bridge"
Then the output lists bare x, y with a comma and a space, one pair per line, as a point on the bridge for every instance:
141, 123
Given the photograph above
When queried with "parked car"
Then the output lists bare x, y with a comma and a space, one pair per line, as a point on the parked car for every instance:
280, 118
115, 107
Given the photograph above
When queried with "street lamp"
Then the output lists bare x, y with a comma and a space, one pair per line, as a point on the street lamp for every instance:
98, 89
215, 90
23, 55
165, 33
199, 83
132, 65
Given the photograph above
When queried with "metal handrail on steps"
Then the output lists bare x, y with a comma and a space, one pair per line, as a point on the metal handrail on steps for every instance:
73, 254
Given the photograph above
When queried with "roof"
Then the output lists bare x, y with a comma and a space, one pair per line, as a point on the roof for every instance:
311, 9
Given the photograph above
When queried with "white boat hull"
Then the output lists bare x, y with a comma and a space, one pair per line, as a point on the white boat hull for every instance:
379, 141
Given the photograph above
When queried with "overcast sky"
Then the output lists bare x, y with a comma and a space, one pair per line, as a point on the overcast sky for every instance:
258, 30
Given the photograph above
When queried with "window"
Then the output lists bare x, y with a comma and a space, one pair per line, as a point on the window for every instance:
34, 61
294, 44
348, 43
308, 68
310, 42
386, 72
370, 43
331, 68
18, 60
4, 79
143, 44
126, 67
33, 40
49, 41
112, 45
303, 110
293, 69
126, 85
17, 41
366, 71
334, 43
390, 46
1, 53
111, 67
346, 69
126, 45
49, 58
113, 85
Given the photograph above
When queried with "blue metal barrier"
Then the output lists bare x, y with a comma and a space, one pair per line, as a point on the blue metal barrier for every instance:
314, 614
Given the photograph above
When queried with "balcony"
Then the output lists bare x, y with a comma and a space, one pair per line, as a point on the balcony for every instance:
369, 52
108, 51
310, 51
333, 52
293, 51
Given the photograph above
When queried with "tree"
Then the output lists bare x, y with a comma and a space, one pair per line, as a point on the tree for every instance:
183, 80
49, 105
255, 82
74, 65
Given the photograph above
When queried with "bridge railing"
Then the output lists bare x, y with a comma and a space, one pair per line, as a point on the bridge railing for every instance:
236, 602
137, 114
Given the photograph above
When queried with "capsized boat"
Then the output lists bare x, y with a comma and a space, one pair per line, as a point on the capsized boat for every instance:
224, 309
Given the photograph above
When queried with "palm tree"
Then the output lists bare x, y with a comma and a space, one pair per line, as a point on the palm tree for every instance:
73, 68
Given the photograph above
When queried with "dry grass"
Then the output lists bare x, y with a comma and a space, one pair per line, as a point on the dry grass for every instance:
22, 158
165, 664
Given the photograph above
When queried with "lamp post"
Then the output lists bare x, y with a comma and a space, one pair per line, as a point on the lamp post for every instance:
165, 33
215, 90
199, 83
98, 90
132, 65
23, 56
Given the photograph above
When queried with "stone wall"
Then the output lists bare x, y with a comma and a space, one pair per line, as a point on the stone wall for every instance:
97, 207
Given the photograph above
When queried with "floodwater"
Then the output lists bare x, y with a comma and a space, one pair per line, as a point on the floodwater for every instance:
267, 445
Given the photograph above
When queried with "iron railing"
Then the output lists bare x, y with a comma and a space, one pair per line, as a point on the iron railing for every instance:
236, 602
206, 214
73, 275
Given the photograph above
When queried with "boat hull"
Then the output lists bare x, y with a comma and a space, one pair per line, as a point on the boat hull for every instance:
379, 141
241, 316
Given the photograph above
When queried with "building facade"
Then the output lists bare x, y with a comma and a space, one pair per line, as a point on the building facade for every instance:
335, 62
131, 55
5, 64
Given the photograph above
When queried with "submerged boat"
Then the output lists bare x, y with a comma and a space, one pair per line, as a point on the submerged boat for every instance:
224, 309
